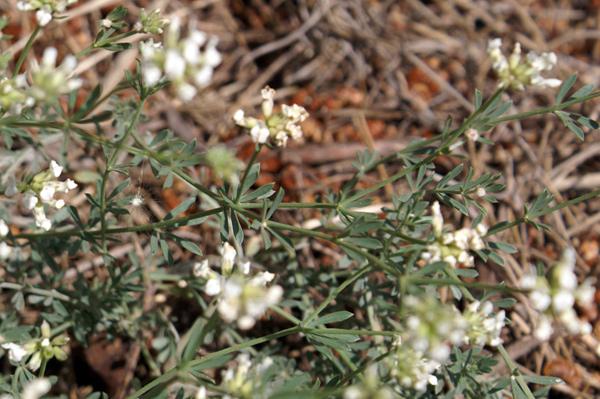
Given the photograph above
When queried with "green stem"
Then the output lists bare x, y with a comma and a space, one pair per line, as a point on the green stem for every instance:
43, 367
170, 223
507, 225
285, 314
109, 167
335, 293
26, 50
36, 291
341, 331
514, 371
540, 111
310, 233
239, 194
450, 273
153, 384
174, 371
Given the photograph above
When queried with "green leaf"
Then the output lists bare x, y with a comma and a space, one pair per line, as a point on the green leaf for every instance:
364, 242
212, 363
442, 183
179, 209
276, 203
159, 137
190, 246
265, 238
584, 91
166, 251
334, 343
541, 202
238, 232
88, 104
543, 380
252, 178
503, 246
501, 110
587, 122
496, 258
199, 330
331, 318
260, 193
119, 189
570, 125
478, 99
565, 88
504, 303
283, 239
367, 226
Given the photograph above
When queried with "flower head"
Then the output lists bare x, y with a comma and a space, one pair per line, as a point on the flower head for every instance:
45, 8
50, 81
517, 72
181, 60
556, 294
278, 127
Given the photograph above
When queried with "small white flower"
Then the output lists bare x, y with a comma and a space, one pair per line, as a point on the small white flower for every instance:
472, 134
11, 187
55, 168
213, 286
3, 228
47, 192
229, 253
16, 352
437, 219
36, 389
5, 250
260, 133
44, 15
29, 200
40, 218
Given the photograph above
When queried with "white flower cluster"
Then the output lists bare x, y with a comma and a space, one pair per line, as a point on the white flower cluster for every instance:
244, 380
371, 387
277, 127
482, 327
453, 248
33, 390
40, 348
517, 72
14, 94
45, 8
150, 22
557, 294
40, 190
411, 367
242, 298
180, 60
429, 329
50, 81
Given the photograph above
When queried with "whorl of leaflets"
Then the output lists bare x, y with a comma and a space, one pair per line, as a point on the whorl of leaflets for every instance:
516, 72
39, 191
556, 294
180, 60
45, 8
453, 248
241, 297
277, 127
